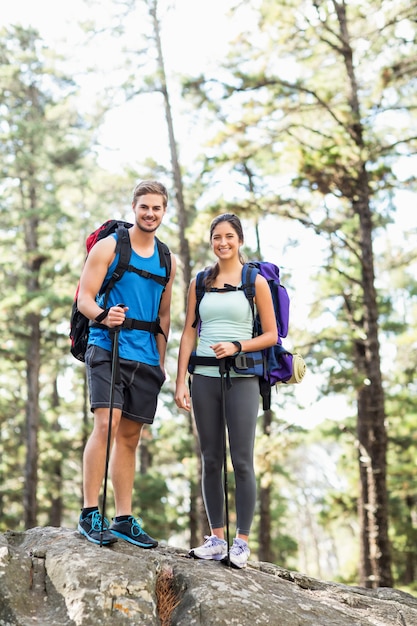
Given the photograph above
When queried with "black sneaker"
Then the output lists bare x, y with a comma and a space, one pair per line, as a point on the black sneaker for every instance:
131, 530
90, 527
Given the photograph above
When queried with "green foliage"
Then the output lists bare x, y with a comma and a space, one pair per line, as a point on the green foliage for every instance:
151, 500
290, 140
40, 155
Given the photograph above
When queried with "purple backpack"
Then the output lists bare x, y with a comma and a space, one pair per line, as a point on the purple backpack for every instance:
272, 365
280, 297
278, 367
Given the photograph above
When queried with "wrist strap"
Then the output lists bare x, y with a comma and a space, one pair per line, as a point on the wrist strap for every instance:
100, 317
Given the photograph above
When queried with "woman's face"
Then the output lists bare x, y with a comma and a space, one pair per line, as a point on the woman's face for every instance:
225, 241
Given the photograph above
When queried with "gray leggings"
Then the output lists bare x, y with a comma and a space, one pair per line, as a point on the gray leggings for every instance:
242, 405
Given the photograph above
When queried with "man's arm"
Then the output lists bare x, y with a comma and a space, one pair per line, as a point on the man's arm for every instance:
92, 277
165, 313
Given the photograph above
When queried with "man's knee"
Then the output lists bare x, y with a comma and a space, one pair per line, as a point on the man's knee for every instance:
128, 434
102, 421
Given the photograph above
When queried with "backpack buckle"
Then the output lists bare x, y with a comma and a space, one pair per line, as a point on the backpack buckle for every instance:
241, 361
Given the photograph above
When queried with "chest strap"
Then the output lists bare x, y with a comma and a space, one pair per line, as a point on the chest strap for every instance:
132, 324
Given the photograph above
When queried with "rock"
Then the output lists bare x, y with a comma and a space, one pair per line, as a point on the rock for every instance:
54, 577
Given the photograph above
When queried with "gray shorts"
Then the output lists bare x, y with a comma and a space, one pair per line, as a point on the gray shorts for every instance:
136, 394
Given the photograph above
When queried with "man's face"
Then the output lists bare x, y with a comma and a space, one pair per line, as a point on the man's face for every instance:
149, 211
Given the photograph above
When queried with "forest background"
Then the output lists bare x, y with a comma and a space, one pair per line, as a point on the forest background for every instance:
300, 116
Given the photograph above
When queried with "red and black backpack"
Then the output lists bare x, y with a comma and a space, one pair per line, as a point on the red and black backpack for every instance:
79, 324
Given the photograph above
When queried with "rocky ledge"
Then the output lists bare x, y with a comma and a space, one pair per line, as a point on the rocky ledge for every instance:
54, 577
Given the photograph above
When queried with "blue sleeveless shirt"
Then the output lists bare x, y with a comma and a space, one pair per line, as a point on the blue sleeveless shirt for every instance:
142, 296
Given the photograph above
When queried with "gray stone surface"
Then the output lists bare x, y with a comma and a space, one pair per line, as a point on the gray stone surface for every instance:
52, 576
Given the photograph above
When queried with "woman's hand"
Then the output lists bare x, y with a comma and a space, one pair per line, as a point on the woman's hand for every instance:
182, 396
223, 349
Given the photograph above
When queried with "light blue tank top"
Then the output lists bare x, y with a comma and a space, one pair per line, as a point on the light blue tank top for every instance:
142, 296
225, 316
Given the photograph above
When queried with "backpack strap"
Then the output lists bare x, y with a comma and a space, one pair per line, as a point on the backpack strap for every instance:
151, 327
249, 273
164, 261
161, 280
199, 293
124, 248
164, 257
131, 323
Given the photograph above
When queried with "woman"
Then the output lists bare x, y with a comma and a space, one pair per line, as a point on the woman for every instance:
226, 330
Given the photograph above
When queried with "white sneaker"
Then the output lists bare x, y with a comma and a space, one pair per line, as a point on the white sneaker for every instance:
238, 554
213, 548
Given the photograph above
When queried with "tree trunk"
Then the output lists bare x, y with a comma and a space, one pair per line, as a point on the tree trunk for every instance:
180, 207
264, 537
375, 566
409, 573
198, 518
372, 436
145, 456
32, 422
34, 262
55, 469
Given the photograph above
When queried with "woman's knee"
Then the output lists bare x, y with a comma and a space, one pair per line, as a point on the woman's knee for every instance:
243, 469
211, 463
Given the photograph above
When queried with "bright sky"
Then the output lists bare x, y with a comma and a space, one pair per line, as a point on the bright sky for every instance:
194, 35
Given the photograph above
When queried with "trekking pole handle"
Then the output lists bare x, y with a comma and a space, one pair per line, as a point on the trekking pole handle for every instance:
116, 329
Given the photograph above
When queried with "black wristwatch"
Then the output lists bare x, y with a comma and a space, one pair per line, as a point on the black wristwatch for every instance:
238, 346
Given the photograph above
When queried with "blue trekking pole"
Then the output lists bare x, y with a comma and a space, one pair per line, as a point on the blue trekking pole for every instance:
115, 374
223, 370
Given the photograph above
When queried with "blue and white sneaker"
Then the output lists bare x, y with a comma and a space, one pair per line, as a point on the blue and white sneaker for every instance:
131, 530
238, 554
213, 548
90, 527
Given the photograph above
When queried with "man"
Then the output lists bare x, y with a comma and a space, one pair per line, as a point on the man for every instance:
141, 363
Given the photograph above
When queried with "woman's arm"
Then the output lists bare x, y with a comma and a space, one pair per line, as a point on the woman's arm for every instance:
187, 345
265, 307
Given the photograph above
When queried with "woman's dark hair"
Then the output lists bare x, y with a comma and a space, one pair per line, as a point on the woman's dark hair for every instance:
236, 224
